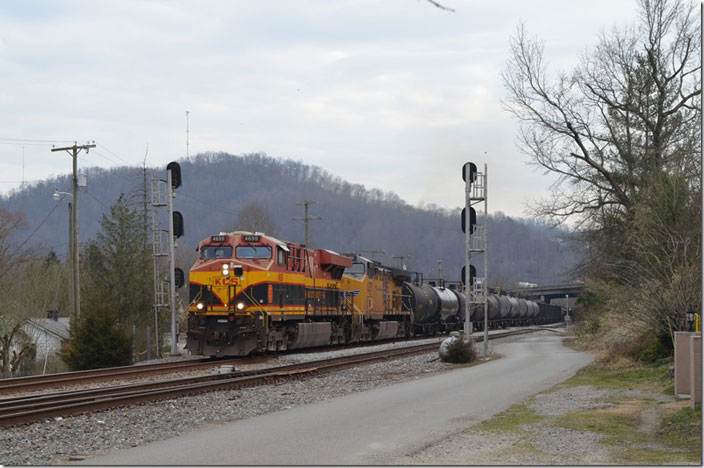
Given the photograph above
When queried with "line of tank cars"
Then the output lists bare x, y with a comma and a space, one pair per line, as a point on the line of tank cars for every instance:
250, 292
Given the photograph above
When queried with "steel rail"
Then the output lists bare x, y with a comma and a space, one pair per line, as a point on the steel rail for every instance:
20, 384
32, 408
34, 382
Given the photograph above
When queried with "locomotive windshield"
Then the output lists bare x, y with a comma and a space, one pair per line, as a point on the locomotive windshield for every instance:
210, 252
357, 269
253, 251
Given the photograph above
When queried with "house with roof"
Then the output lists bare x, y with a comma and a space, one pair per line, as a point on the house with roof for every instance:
48, 334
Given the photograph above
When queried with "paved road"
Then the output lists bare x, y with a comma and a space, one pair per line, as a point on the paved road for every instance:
375, 426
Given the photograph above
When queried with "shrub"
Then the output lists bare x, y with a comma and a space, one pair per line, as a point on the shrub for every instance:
96, 342
460, 352
653, 352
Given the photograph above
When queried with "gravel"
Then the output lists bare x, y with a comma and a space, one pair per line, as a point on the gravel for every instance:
537, 443
569, 399
61, 440
530, 444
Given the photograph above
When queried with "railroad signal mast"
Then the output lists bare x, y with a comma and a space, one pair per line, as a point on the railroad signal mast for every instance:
476, 243
163, 245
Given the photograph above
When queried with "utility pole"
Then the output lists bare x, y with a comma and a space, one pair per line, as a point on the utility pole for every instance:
71, 289
73, 151
374, 252
306, 218
440, 271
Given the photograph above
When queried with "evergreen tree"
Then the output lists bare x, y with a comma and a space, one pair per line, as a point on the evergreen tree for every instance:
118, 269
98, 340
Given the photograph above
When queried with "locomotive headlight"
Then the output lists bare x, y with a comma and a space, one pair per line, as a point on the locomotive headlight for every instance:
240, 305
200, 306
225, 269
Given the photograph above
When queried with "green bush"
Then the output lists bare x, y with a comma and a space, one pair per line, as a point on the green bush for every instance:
653, 353
97, 342
460, 352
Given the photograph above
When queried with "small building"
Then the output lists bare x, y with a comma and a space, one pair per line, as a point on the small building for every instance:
48, 334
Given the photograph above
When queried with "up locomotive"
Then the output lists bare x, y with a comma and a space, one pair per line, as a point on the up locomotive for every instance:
250, 292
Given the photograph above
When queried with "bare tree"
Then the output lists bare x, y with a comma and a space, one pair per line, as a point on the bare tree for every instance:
29, 288
628, 111
622, 131
255, 217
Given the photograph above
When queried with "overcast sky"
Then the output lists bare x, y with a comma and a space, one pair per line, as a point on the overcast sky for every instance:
391, 94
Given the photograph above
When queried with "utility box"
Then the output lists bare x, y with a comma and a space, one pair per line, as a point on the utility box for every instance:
688, 366
695, 366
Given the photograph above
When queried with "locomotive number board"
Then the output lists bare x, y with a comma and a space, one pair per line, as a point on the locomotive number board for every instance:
251, 238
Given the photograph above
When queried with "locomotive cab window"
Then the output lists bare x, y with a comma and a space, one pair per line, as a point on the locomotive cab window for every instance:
357, 269
253, 251
281, 256
211, 252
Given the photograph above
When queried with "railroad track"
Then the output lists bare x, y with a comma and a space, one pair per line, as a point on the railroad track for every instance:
35, 382
39, 382
25, 409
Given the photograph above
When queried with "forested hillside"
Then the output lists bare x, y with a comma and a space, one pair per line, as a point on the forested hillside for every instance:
217, 186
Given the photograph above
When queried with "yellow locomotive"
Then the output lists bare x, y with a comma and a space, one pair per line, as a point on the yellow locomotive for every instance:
252, 292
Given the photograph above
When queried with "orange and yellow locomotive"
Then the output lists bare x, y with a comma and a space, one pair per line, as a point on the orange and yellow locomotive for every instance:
252, 292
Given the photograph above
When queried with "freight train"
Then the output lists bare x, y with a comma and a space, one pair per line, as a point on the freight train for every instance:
250, 292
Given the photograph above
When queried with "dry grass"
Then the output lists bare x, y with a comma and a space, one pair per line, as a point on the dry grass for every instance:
614, 338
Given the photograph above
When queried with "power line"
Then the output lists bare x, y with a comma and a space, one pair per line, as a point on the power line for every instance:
34, 140
19, 143
115, 154
37, 228
94, 198
209, 204
106, 157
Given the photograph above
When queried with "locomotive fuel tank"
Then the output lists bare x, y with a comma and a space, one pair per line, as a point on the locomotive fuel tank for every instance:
422, 300
448, 303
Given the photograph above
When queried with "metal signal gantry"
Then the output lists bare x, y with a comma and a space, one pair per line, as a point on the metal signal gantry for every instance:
163, 245
476, 242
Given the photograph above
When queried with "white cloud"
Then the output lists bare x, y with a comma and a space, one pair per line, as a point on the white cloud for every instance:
395, 94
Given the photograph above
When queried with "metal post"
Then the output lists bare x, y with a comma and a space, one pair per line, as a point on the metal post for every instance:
71, 290
467, 267
486, 264
172, 266
149, 344
567, 310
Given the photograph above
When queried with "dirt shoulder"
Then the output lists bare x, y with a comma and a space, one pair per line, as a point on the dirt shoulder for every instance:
617, 414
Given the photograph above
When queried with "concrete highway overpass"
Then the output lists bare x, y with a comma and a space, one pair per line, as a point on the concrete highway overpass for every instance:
556, 294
